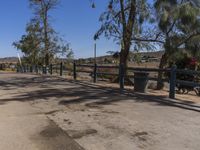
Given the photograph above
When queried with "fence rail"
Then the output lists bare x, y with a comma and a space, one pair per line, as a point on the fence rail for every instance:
118, 71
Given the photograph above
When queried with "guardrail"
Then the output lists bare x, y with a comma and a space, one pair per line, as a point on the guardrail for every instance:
120, 73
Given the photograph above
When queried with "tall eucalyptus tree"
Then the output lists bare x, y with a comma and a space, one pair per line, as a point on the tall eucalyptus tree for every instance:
41, 9
42, 42
122, 21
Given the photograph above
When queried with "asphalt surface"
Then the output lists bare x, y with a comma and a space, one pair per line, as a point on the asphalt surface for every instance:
51, 113
23, 127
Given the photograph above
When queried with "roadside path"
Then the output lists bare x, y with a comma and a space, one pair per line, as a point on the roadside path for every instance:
39, 112
24, 127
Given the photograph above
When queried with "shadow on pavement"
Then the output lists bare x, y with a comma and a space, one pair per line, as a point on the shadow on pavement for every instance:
80, 92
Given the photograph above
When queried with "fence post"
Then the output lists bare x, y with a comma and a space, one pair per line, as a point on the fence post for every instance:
36, 69
95, 73
74, 71
24, 68
61, 69
172, 90
31, 69
27, 71
121, 77
17, 69
51, 69
44, 69
41, 69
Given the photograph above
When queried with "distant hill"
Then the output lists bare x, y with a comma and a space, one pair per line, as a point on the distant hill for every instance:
157, 55
9, 60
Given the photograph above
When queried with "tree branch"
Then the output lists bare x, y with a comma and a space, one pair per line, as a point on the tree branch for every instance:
187, 39
148, 40
123, 18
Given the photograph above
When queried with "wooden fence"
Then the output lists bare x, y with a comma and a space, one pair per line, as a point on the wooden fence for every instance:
95, 72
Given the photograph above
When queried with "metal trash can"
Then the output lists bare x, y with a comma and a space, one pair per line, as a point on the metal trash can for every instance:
140, 81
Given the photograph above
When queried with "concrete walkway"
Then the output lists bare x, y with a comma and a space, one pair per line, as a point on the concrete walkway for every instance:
23, 127
39, 112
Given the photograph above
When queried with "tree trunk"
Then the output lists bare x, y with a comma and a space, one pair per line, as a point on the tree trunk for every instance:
46, 40
127, 32
124, 62
163, 63
45, 26
123, 58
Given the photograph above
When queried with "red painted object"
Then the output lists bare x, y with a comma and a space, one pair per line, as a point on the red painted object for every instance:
193, 61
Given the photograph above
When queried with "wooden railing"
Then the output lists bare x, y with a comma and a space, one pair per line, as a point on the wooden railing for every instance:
94, 71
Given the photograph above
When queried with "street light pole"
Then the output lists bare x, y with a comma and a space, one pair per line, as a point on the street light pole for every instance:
95, 53
95, 63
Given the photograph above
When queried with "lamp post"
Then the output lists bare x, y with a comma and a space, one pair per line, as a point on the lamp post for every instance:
95, 63
95, 52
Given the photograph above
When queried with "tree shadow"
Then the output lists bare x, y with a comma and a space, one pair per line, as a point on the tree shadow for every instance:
82, 92
23, 82
107, 96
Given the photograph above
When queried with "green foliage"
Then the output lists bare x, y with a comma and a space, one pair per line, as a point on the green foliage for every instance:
42, 43
193, 47
176, 17
188, 14
30, 43
126, 22
137, 58
184, 60
112, 22
178, 22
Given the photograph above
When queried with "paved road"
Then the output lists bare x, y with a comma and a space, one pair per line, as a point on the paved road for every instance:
33, 108
23, 127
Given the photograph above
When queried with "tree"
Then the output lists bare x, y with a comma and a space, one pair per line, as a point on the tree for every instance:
193, 47
177, 23
123, 21
170, 24
30, 44
41, 9
42, 44
193, 44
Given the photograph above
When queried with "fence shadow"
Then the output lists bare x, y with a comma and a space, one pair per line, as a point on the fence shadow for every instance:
74, 92
114, 95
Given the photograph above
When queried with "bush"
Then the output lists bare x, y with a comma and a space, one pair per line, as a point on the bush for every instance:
187, 63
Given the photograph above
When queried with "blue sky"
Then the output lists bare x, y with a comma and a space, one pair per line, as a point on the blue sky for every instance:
74, 19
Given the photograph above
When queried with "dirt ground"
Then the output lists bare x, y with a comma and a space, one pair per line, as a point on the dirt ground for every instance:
98, 117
